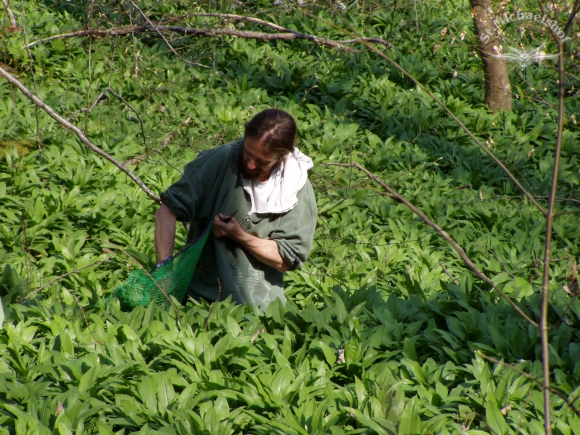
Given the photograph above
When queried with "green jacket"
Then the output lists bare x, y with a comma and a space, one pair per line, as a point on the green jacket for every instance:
212, 184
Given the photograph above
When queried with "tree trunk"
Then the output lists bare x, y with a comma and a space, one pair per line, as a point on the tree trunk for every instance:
497, 82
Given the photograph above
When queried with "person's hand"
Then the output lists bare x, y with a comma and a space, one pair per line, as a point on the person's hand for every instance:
225, 226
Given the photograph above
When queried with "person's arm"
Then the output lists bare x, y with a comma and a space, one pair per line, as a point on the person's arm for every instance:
263, 250
164, 233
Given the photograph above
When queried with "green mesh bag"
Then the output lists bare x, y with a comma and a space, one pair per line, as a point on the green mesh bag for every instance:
171, 278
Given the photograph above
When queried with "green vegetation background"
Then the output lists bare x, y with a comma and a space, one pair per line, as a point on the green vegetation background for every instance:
375, 337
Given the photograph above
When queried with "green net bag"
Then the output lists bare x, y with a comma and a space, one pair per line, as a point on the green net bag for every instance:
171, 278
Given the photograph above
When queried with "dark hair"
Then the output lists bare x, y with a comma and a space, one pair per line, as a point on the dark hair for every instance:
275, 128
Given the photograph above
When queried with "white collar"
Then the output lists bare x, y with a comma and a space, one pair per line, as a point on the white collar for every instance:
279, 193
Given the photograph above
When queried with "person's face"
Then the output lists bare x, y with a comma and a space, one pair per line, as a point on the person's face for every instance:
257, 160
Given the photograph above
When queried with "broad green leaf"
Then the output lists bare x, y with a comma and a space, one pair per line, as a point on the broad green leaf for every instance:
494, 418
148, 391
410, 422
409, 349
222, 408
165, 392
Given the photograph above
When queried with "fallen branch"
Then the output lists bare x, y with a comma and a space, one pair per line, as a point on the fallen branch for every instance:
393, 194
286, 36
274, 26
50, 111
13, 24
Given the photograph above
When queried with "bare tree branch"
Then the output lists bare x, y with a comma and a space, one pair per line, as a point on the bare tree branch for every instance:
544, 325
77, 131
392, 193
448, 274
237, 18
287, 36
13, 24
563, 316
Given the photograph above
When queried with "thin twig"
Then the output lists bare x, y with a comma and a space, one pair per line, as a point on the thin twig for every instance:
13, 24
492, 252
87, 320
165, 39
77, 131
31, 64
90, 108
100, 97
544, 325
531, 378
148, 274
139, 159
561, 319
28, 296
448, 274
213, 305
566, 212
443, 233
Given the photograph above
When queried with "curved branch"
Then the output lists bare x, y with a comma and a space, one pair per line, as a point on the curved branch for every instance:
50, 111
393, 194
13, 24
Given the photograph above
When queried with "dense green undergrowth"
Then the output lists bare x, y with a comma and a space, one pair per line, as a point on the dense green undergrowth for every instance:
376, 338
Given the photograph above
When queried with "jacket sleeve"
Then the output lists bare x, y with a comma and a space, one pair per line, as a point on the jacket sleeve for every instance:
295, 232
184, 196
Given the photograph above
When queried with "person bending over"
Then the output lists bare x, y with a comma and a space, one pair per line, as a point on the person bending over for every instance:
256, 192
